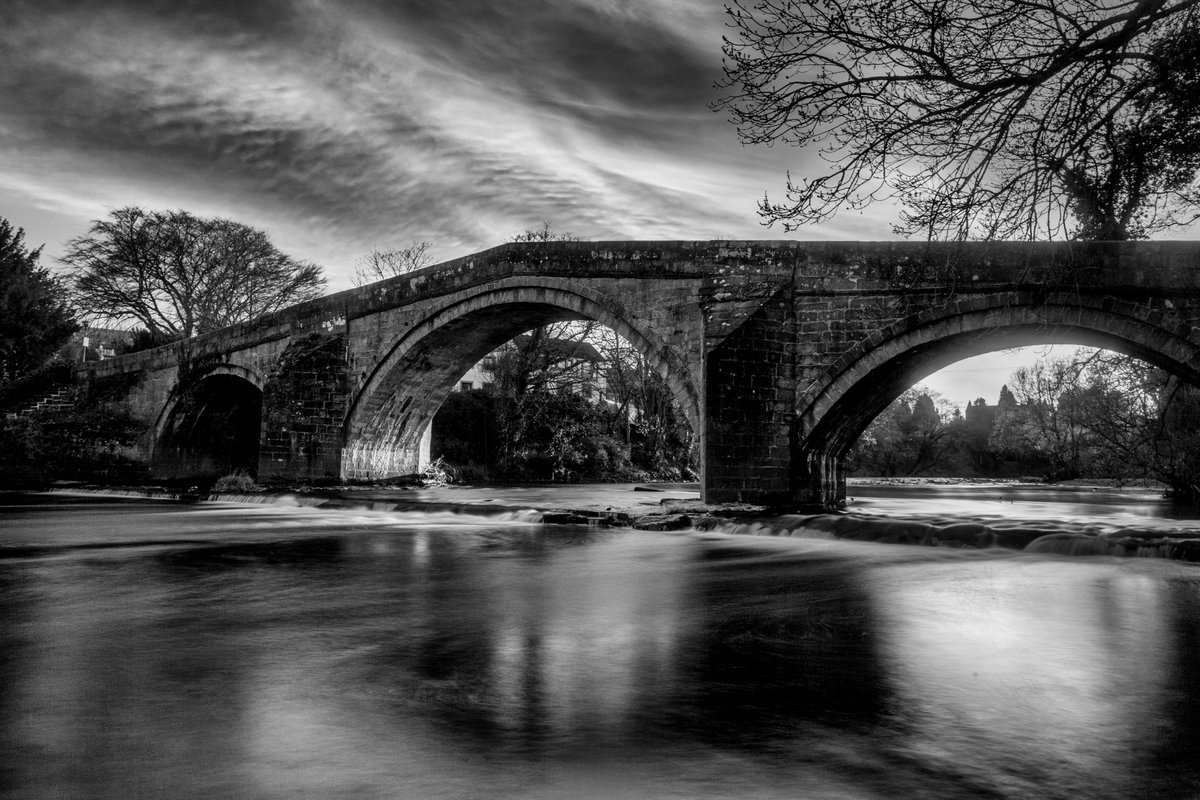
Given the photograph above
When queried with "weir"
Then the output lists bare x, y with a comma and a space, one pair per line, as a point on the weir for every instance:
779, 353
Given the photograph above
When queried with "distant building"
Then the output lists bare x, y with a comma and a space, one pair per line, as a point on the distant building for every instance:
567, 365
96, 344
479, 376
980, 415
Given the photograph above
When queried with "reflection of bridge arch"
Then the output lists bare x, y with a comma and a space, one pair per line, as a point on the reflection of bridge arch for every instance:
838, 406
210, 425
390, 413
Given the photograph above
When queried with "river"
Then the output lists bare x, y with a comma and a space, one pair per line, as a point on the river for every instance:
154, 649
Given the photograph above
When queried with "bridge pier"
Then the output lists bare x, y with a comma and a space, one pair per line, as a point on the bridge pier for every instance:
749, 417
304, 402
822, 480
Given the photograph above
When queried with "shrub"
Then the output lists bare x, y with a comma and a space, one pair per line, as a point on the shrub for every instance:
80, 444
35, 384
234, 482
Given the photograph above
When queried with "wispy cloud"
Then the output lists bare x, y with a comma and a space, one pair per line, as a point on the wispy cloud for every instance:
343, 126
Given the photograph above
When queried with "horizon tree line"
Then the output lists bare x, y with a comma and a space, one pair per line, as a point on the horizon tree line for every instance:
1094, 414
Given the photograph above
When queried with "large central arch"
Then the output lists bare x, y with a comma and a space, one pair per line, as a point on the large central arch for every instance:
391, 412
838, 406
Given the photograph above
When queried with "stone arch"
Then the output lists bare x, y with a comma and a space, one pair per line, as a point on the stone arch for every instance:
210, 426
838, 406
398, 400
250, 376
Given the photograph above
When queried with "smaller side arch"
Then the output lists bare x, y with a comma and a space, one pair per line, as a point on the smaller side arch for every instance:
210, 426
839, 405
245, 373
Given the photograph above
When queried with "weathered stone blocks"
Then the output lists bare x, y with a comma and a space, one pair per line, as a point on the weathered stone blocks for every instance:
304, 405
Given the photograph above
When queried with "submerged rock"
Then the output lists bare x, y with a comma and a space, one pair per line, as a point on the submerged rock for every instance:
663, 522
1126, 546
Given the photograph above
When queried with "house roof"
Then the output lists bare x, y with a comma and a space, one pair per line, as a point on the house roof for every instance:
564, 349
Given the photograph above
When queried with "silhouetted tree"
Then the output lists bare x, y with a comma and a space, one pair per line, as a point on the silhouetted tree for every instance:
178, 275
994, 118
1046, 420
35, 319
976, 430
910, 437
528, 375
1137, 174
569, 401
545, 233
1142, 421
143, 339
551, 358
644, 413
379, 265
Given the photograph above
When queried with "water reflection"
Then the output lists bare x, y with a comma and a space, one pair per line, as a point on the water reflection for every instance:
781, 635
1052, 664
384, 658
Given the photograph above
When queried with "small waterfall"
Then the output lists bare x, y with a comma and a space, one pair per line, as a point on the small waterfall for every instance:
1127, 546
1060, 537
1040, 536
264, 499
149, 492
428, 512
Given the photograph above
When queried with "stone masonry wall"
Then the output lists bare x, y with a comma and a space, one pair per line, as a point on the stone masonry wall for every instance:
304, 405
750, 390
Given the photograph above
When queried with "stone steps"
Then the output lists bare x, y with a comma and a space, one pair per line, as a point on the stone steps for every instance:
60, 398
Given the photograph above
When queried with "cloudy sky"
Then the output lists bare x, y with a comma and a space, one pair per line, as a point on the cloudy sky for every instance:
342, 126
339, 127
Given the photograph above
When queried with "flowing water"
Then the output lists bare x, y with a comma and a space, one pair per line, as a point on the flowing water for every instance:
154, 649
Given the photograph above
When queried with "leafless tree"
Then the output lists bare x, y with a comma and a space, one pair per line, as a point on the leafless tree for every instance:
550, 358
545, 233
1144, 421
991, 118
909, 437
179, 275
379, 265
1049, 417
643, 412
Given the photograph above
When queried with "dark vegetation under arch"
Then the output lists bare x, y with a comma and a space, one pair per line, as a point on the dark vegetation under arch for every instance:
567, 402
1092, 415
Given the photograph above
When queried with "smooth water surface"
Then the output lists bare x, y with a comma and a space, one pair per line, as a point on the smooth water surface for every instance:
159, 650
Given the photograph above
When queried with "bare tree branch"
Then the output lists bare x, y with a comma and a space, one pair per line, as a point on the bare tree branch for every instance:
999, 118
380, 265
179, 275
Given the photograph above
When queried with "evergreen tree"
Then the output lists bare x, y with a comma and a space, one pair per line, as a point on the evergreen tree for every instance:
1007, 401
35, 319
910, 437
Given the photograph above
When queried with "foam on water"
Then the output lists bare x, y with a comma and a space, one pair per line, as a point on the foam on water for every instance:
297, 510
1087, 537
1116, 532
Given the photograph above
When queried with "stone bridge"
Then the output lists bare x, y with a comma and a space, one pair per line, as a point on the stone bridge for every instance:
780, 353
